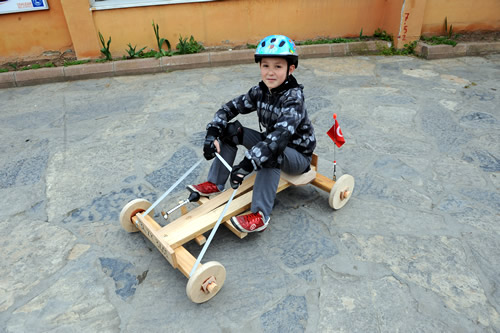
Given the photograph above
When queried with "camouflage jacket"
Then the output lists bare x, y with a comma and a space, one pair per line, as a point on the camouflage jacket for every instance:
283, 114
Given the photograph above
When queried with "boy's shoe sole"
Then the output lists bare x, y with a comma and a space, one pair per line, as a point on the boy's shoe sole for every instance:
192, 189
235, 224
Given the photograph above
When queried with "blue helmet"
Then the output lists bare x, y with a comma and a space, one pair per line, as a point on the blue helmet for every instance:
277, 46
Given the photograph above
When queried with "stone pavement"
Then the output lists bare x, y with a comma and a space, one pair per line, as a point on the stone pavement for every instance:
416, 249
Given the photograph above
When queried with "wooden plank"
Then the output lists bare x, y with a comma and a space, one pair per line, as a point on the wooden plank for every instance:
185, 260
235, 231
314, 162
323, 182
147, 225
200, 239
203, 200
228, 223
182, 232
187, 230
299, 180
210, 205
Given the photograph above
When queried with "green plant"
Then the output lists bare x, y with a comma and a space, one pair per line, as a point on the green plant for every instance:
436, 40
37, 66
160, 41
385, 50
132, 53
149, 54
34, 66
447, 39
408, 49
380, 34
3, 70
449, 32
383, 35
187, 47
75, 62
105, 47
326, 41
251, 46
101, 60
13, 65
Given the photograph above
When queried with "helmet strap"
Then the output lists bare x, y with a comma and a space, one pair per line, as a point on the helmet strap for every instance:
288, 64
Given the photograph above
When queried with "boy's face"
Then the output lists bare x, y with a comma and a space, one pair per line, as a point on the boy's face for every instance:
273, 71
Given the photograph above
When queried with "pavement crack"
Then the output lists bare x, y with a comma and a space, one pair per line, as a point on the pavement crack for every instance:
142, 277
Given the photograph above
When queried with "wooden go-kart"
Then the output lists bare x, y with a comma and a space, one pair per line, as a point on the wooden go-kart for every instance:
207, 279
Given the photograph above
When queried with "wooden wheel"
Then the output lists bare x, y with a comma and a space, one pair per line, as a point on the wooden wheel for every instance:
206, 282
341, 191
130, 210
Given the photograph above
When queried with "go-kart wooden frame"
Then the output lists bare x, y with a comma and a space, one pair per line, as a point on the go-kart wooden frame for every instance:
208, 278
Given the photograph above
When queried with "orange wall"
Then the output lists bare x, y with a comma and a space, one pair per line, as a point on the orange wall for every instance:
237, 22
70, 24
230, 22
29, 34
392, 16
465, 15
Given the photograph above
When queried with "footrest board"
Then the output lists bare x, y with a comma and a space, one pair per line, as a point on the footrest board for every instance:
227, 223
203, 218
214, 203
181, 230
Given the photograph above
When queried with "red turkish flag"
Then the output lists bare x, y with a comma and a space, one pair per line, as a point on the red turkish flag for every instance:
335, 133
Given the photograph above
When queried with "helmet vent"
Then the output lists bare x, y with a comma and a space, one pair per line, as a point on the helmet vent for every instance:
273, 40
263, 43
282, 43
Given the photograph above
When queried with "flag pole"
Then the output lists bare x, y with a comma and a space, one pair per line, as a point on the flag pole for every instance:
334, 166
334, 159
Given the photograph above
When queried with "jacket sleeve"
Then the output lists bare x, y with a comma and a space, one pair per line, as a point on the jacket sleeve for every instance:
291, 115
243, 104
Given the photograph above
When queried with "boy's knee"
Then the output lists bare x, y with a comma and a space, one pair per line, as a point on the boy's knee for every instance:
233, 134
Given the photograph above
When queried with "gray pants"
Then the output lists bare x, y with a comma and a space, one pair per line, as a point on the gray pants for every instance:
267, 179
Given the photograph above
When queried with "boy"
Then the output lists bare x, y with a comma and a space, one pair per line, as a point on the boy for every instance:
287, 143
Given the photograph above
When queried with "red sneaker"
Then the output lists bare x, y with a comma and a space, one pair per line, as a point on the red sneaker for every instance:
206, 189
252, 222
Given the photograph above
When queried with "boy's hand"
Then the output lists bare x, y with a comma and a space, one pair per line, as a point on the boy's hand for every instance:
239, 172
211, 145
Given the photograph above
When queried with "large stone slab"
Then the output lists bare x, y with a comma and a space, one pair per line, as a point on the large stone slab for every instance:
350, 303
33, 253
436, 263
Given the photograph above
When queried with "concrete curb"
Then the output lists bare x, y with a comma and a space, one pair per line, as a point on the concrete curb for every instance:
224, 58
431, 52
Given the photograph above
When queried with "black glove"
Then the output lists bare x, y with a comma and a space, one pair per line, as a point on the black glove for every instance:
239, 172
209, 149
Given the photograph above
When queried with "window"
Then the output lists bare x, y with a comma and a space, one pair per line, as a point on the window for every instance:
112, 4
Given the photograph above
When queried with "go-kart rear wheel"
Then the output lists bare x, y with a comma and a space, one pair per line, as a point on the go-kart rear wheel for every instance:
130, 210
341, 191
206, 282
